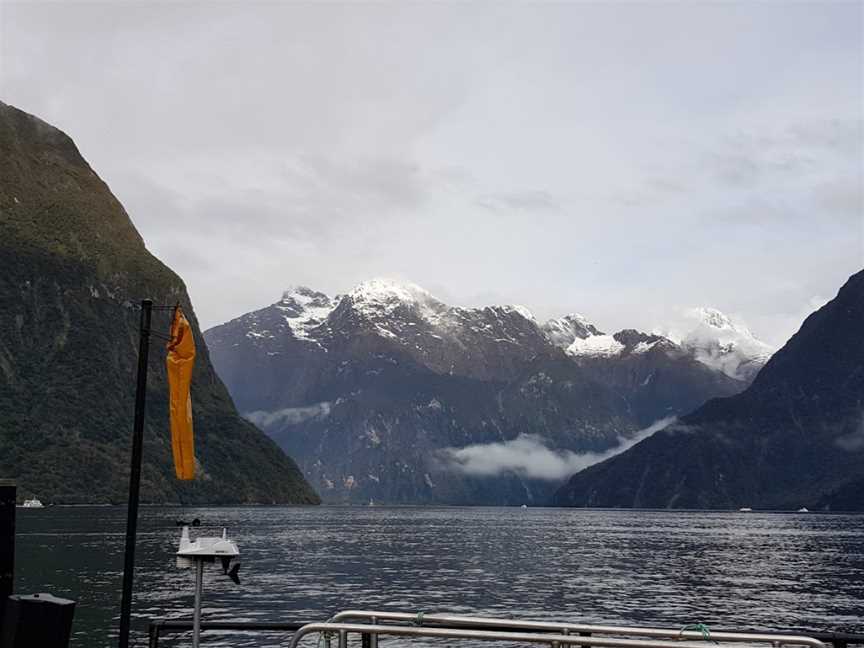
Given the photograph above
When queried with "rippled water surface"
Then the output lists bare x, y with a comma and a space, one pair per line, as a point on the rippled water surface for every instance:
767, 571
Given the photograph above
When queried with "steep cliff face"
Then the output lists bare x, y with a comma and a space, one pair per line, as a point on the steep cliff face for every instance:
387, 393
72, 270
794, 438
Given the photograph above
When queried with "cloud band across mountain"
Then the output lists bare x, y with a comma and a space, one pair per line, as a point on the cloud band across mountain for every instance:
529, 456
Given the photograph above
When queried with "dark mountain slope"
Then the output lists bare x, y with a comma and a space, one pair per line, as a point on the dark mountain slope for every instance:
661, 381
72, 268
794, 438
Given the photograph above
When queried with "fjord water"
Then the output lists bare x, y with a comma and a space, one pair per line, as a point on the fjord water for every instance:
730, 570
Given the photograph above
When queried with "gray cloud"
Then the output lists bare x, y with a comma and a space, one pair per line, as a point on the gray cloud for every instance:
289, 415
616, 160
853, 441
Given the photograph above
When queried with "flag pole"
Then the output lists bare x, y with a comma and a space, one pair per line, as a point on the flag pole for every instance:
135, 471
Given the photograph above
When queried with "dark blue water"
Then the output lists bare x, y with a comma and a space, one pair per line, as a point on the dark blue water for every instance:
766, 571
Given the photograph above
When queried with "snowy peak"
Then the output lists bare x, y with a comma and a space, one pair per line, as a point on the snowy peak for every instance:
390, 308
563, 331
387, 294
300, 298
388, 304
714, 319
304, 309
722, 343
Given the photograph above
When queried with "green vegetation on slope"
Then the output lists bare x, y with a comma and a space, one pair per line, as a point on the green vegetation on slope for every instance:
72, 271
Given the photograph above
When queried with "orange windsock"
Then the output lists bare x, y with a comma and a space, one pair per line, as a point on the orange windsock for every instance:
180, 361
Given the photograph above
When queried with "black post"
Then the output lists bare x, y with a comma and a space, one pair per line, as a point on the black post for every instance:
7, 541
135, 472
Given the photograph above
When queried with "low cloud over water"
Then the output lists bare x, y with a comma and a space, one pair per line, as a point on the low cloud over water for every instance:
529, 455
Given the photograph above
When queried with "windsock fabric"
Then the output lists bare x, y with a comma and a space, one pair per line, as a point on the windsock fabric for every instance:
180, 361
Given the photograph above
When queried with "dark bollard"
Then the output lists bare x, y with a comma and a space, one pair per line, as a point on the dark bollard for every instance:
37, 621
7, 541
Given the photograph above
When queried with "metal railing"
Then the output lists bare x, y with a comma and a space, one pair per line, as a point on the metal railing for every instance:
160, 627
342, 630
576, 633
584, 630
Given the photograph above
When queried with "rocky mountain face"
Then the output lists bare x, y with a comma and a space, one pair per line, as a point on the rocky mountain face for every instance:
794, 438
72, 269
386, 393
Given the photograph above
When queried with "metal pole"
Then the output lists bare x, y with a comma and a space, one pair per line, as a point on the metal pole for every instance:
7, 541
373, 639
196, 618
135, 471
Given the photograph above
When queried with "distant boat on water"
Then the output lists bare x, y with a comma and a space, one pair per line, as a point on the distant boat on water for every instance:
32, 503
745, 509
803, 509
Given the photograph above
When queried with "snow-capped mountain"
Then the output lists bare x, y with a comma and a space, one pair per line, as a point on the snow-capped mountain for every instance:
367, 389
715, 340
486, 343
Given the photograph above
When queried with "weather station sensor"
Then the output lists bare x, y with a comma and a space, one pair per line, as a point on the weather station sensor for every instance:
193, 554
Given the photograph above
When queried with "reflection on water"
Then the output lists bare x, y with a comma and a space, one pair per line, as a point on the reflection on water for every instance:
763, 571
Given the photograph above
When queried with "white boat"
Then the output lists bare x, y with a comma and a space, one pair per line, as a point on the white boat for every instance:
745, 509
803, 509
33, 503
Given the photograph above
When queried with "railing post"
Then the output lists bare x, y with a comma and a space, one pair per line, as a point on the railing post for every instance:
565, 632
153, 634
8, 491
583, 634
373, 639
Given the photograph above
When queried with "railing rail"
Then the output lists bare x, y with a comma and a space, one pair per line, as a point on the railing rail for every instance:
492, 623
160, 627
554, 639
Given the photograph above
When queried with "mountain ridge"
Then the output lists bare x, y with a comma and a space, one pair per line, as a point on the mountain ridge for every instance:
345, 385
377, 300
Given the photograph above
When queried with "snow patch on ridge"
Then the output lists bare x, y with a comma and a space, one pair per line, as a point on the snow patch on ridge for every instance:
644, 347
595, 345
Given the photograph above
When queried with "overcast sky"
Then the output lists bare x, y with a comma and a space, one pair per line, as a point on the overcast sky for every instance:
624, 161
